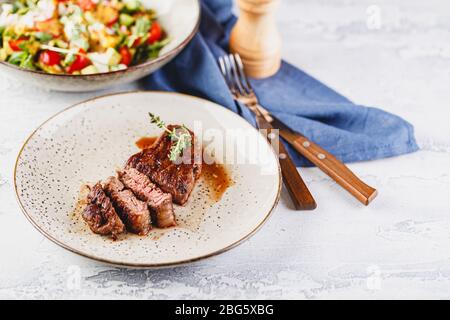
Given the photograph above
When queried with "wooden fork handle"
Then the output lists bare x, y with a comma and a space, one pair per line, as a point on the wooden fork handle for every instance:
338, 171
299, 192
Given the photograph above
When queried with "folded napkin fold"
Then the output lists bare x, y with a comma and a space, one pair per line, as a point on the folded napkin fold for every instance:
349, 131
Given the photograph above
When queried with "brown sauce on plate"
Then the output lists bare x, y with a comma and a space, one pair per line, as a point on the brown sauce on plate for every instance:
215, 175
217, 179
145, 142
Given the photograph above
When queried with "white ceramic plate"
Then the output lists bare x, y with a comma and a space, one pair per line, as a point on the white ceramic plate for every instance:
89, 141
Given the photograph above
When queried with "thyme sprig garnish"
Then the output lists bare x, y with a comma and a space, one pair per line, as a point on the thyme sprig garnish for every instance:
180, 137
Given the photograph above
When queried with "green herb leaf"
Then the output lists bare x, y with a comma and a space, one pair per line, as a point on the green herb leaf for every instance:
2, 31
31, 3
142, 26
126, 19
24, 46
180, 137
132, 6
17, 57
157, 120
69, 59
182, 141
131, 39
27, 63
155, 49
43, 36
142, 54
160, 44
22, 11
17, 5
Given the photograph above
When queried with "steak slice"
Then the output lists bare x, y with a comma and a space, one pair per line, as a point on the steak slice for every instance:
178, 178
160, 203
100, 215
133, 212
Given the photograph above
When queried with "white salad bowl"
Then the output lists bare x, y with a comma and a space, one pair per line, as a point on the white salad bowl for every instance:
180, 19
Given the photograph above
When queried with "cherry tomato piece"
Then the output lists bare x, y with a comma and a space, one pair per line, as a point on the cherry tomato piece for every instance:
15, 44
136, 42
126, 56
50, 58
86, 5
79, 63
113, 20
155, 33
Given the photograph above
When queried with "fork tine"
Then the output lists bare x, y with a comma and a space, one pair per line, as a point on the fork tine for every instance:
227, 74
232, 70
235, 75
223, 69
222, 66
231, 75
244, 80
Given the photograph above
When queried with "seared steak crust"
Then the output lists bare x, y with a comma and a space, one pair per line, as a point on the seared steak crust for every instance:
133, 212
100, 215
160, 203
178, 179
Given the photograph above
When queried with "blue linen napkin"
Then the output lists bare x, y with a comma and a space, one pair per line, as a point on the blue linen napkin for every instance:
349, 131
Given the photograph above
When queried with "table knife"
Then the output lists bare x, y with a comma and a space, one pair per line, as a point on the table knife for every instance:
299, 192
325, 161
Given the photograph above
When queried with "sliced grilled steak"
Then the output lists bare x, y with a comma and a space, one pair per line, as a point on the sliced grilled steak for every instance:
179, 178
100, 215
160, 203
133, 212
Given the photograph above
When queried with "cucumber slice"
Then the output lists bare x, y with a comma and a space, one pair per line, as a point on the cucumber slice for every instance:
126, 19
89, 70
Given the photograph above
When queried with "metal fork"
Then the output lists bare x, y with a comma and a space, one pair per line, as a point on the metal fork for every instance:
233, 71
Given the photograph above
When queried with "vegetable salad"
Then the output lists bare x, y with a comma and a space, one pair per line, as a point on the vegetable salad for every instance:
79, 36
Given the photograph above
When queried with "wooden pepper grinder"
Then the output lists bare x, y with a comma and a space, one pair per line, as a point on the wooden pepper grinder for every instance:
255, 37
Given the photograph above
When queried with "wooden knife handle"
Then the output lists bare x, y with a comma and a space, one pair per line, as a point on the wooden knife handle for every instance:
338, 171
300, 195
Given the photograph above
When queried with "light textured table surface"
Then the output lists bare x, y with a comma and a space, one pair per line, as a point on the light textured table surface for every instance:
395, 55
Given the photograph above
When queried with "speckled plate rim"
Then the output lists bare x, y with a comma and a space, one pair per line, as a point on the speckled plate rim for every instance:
170, 54
139, 265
